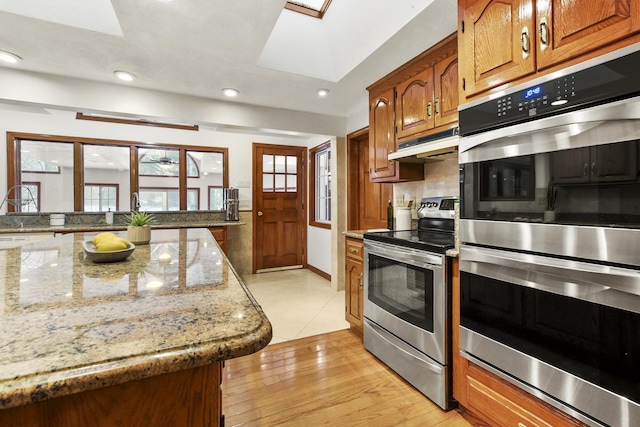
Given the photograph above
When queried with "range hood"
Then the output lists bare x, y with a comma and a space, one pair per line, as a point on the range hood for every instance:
439, 146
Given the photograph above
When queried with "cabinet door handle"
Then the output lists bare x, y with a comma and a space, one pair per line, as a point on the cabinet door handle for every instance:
361, 279
437, 106
353, 250
429, 109
260, 213
585, 169
593, 169
544, 34
525, 42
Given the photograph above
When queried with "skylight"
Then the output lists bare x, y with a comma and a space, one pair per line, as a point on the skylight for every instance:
315, 8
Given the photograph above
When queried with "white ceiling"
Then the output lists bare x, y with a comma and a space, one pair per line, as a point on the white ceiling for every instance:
274, 57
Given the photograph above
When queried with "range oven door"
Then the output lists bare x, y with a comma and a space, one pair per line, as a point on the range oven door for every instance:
565, 330
405, 294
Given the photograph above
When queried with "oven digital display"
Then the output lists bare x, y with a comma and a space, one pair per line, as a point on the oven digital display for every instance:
533, 92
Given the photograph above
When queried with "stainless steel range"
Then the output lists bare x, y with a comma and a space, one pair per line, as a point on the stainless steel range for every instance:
407, 302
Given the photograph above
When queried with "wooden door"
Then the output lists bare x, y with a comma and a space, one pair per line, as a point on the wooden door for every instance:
372, 197
279, 231
381, 136
567, 29
496, 43
445, 75
415, 109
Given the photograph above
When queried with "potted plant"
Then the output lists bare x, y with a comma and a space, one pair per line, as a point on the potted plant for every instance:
139, 227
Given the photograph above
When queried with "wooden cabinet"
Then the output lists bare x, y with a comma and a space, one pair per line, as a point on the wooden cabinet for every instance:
427, 100
354, 282
491, 45
417, 99
381, 138
566, 29
220, 234
489, 400
500, 41
604, 163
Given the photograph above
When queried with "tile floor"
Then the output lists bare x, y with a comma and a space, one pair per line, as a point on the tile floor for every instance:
298, 303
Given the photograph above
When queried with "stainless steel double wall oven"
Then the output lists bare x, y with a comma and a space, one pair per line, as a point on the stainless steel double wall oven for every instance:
550, 237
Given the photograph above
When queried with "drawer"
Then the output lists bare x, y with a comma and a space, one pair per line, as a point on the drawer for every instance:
354, 248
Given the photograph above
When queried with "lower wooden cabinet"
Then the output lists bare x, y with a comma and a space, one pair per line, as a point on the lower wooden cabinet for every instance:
220, 234
354, 282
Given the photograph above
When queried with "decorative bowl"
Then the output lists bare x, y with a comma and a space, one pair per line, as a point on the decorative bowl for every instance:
106, 256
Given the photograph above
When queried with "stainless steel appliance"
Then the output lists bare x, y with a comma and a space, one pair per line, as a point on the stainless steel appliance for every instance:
231, 204
550, 237
408, 299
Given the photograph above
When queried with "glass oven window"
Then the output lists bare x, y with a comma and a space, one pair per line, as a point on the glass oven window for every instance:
597, 185
403, 290
595, 342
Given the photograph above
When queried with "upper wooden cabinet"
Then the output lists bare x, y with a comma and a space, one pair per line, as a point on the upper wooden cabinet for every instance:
491, 45
500, 41
428, 100
566, 29
415, 100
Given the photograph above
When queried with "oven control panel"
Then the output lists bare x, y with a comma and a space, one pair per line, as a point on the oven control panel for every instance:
437, 207
576, 87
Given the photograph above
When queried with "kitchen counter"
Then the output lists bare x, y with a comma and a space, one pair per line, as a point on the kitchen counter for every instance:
70, 325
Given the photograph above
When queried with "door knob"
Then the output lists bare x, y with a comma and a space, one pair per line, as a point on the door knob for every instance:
259, 213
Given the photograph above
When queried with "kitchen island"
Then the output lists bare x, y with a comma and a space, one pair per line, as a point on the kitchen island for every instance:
136, 342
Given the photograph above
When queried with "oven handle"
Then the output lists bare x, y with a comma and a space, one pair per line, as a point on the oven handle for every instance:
405, 255
552, 274
434, 367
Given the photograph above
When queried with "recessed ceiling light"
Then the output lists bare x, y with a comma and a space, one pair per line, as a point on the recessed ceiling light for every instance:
125, 76
322, 92
230, 92
9, 57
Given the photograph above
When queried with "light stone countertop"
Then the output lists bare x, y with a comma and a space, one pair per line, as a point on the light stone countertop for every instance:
69, 325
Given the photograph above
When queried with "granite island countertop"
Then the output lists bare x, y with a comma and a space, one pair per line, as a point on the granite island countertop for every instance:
69, 325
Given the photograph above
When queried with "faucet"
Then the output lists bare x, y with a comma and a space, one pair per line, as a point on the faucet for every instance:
135, 201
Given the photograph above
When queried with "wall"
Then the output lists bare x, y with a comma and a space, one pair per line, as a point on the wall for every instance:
440, 179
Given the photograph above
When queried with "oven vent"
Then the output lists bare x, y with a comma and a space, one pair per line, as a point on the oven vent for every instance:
436, 147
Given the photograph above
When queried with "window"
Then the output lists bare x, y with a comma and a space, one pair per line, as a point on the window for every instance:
30, 197
279, 173
168, 177
167, 199
320, 194
315, 8
100, 197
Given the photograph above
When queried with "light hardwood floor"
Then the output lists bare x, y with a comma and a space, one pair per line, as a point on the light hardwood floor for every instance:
328, 379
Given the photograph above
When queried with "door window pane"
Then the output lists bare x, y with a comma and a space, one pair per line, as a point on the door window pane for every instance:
280, 183
280, 164
292, 164
267, 183
292, 183
267, 163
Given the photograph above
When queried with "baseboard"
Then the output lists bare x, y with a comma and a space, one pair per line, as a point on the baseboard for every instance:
319, 272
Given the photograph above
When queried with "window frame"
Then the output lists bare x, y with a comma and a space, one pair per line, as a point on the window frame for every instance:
14, 159
313, 178
306, 10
